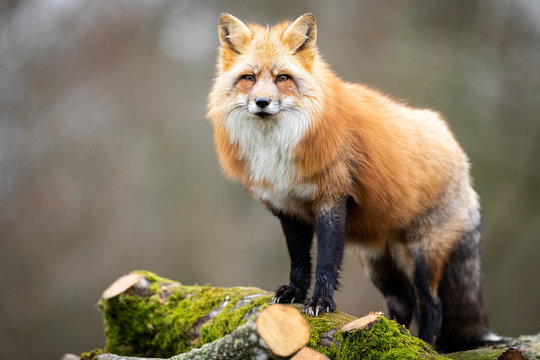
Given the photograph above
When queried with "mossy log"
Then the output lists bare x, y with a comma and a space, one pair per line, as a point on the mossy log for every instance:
147, 316
278, 332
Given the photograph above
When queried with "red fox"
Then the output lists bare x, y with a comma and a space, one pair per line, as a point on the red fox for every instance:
344, 162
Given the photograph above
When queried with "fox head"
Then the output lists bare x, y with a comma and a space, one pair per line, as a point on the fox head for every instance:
265, 72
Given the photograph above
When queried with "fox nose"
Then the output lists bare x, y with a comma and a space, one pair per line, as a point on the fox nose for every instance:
262, 102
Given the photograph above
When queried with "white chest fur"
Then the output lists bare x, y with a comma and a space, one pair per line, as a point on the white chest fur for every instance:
267, 146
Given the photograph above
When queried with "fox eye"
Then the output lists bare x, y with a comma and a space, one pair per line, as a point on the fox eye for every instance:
283, 78
248, 77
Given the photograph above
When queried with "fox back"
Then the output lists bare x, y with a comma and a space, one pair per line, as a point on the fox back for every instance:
344, 162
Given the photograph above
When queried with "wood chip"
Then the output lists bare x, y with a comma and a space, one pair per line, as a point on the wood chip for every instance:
362, 322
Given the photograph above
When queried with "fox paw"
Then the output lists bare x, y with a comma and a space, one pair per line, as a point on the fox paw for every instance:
287, 294
319, 305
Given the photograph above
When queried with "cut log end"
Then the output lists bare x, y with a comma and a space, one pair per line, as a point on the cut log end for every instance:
121, 285
511, 354
309, 354
283, 329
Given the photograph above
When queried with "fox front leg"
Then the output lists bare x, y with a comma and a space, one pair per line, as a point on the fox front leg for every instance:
331, 224
298, 235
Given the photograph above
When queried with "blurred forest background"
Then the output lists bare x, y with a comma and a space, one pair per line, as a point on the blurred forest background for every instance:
107, 163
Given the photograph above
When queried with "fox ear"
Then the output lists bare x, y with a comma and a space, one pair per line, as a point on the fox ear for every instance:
301, 34
233, 33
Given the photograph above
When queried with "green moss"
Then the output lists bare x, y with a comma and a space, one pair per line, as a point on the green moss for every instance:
228, 320
92, 355
153, 278
321, 325
386, 339
172, 318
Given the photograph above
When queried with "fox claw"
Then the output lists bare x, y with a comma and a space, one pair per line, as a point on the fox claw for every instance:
316, 306
288, 294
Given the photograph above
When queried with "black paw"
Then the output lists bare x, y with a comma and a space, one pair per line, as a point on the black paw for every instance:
287, 294
319, 305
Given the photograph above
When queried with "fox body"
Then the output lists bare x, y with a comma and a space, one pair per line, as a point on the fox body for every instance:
345, 162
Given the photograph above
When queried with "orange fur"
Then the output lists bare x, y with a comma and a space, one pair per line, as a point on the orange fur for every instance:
393, 160
397, 163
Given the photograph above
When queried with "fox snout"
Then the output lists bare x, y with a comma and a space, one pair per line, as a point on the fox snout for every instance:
262, 102
263, 106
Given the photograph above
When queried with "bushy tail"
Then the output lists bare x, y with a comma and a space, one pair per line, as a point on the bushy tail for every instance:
464, 322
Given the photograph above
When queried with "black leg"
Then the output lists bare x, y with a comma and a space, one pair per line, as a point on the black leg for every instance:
330, 229
299, 237
394, 285
429, 307
400, 309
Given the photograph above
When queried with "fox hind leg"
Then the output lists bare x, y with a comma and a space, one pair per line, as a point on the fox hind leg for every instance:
394, 285
429, 309
407, 288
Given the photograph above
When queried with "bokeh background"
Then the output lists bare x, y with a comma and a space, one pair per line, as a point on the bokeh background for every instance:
107, 163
